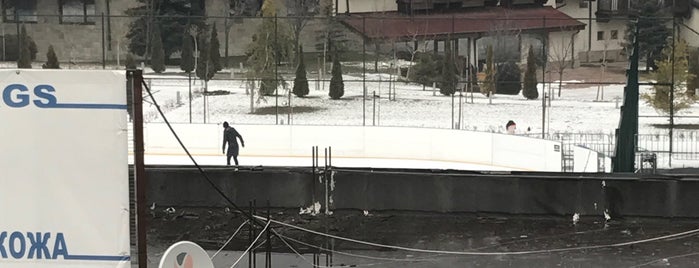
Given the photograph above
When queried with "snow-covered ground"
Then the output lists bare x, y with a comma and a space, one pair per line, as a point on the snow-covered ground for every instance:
576, 111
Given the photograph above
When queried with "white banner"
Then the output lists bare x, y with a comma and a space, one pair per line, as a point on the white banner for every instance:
63, 169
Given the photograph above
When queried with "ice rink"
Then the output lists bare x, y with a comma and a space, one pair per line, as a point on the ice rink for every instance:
213, 160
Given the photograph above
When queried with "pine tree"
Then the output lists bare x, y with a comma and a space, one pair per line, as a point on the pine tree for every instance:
488, 87
530, 92
331, 33
130, 63
171, 15
51, 59
205, 71
25, 60
300, 82
157, 61
214, 50
508, 78
449, 75
652, 31
187, 61
426, 69
270, 45
337, 86
659, 98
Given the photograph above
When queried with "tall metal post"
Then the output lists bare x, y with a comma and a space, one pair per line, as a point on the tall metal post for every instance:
589, 30
254, 234
276, 74
364, 72
227, 28
189, 80
268, 260
544, 40
452, 110
109, 26
251, 234
19, 40
626, 139
672, 91
104, 54
136, 77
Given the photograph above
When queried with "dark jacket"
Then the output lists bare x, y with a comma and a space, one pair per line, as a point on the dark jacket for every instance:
229, 136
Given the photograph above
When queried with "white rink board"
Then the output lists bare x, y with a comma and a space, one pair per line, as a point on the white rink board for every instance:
464, 149
64, 175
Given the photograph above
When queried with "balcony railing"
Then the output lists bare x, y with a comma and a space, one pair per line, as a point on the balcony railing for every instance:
613, 7
620, 8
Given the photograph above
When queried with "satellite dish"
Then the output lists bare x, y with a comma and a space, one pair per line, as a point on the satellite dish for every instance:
185, 254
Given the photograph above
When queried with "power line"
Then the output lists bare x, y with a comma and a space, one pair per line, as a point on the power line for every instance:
229, 239
474, 253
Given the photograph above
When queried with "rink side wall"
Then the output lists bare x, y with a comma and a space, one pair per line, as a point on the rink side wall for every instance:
510, 152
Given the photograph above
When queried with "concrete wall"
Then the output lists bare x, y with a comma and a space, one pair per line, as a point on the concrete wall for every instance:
433, 191
483, 148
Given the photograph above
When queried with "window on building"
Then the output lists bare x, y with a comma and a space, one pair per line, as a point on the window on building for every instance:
19, 10
244, 7
614, 35
600, 35
302, 7
584, 3
77, 11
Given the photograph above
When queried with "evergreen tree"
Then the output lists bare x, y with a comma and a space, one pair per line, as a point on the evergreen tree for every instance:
427, 67
205, 70
488, 87
449, 75
25, 60
508, 79
11, 47
214, 50
171, 15
337, 86
331, 33
157, 61
300, 82
693, 81
652, 31
530, 92
51, 59
268, 48
659, 97
187, 61
130, 63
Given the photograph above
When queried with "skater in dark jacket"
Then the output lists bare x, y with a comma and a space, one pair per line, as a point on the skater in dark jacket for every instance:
230, 136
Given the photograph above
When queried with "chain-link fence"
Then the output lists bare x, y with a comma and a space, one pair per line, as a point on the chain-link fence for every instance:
551, 71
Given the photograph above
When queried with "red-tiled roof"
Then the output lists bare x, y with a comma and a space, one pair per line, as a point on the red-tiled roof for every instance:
394, 25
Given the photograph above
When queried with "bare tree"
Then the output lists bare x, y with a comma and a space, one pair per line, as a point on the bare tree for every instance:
504, 37
300, 12
603, 66
560, 57
416, 44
